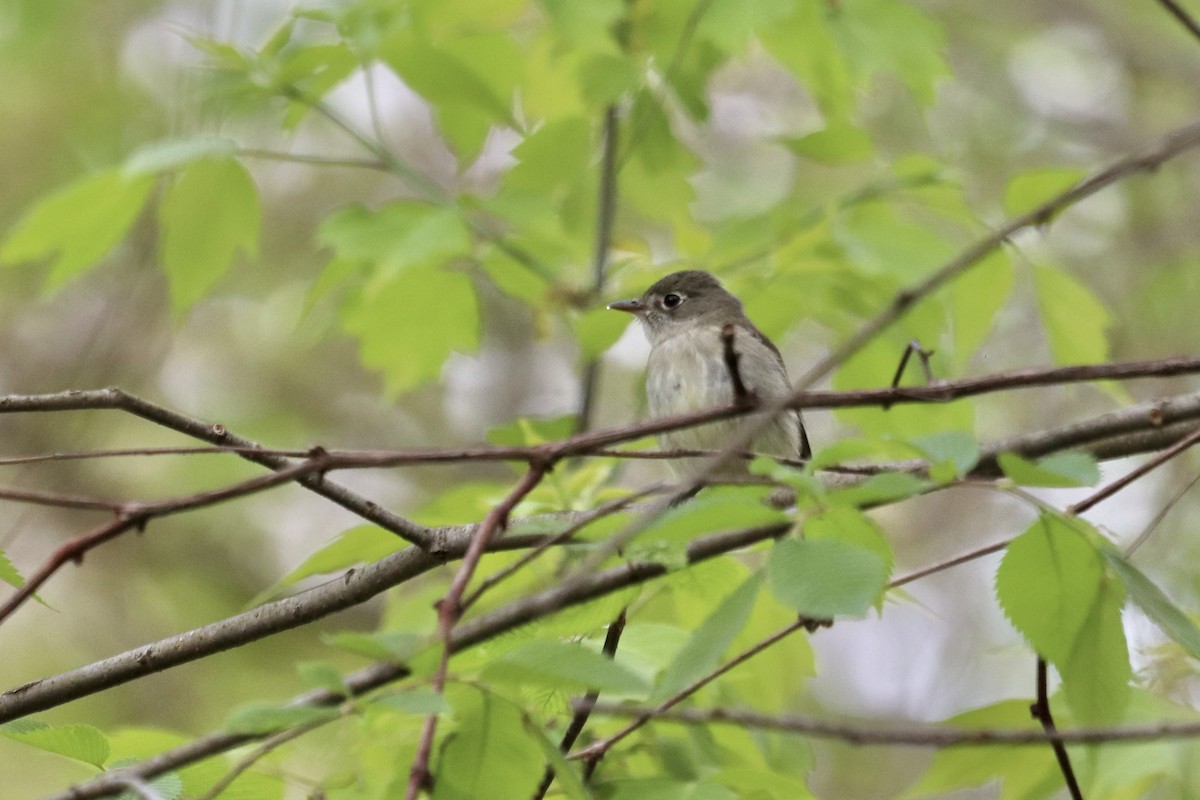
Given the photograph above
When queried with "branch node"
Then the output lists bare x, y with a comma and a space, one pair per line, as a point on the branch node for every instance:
218, 430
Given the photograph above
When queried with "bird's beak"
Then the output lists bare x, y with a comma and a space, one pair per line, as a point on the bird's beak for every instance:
630, 306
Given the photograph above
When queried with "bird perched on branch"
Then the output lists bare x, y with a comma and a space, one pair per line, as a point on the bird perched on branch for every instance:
705, 352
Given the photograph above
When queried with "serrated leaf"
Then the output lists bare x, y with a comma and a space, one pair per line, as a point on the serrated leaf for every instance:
1053, 587
409, 325
1096, 673
80, 742
849, 524
975, 298
1029, 190
361, 544
565, 666
9, 573
260, 718
208, 216
396, 236
470, 95
887, 487
1170, 618
78, 224
1047, 583
704, 649
1059, 470
959, 448
1076, 322
489, 754
171, 154
826, 578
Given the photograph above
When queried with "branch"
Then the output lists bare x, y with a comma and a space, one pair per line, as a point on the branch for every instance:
1184, 18
359, 585
606, 214
1040, 710
113, 398
875, 732
116, 780
583, 711
741, 395
135, 516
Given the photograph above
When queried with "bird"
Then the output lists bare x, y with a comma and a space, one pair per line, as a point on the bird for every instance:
685, 316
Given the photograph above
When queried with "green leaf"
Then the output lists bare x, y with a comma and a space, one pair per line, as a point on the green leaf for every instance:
321, 675
585, 25
1031, 189
422, 701
1096, 673
80, 742
564, 666
557, 154
877, 239
568, 775
396, 236
717, 509
598, 330
260, 718
975, 298
170, 154
525, 431
887, 487
409, 325
9, 573
703, 651
1059, 470
78, 224
825, 578
361, 544
849, 524
1047, 584
1019, 769
1173, 621
605, 78
1075, 321
206, 217
1053, 587
894, 37
959, 448
489, 754
397, 646
837, 145
471, 91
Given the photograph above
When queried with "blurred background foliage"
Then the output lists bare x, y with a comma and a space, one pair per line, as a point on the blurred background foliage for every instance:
434, 279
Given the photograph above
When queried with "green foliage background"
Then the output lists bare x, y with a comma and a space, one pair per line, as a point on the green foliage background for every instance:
428, 277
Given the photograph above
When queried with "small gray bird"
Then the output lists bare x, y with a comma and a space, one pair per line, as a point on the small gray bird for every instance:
683, 316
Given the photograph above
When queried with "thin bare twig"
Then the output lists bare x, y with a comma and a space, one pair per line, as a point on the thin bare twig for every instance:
1185, 19
1040, 710
450, 610
1133, 475
1153, 524
606, 214
216, 434
273, 742
583, 710
135, 516
876, 732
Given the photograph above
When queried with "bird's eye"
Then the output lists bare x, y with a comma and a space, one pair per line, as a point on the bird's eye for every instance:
671, 300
